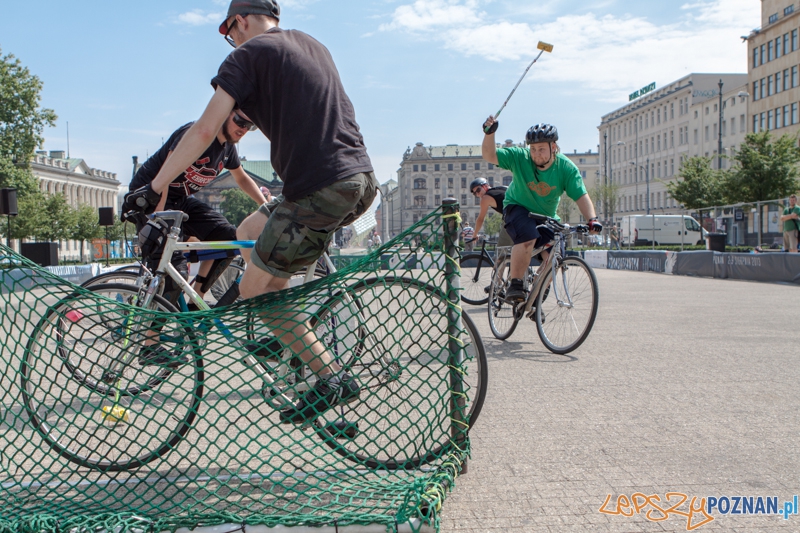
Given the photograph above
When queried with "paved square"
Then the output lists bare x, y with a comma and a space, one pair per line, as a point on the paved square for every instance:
685, 385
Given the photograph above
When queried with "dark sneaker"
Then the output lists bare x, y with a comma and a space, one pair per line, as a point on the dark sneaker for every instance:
160, 356
326, 393
268, 348
516, 292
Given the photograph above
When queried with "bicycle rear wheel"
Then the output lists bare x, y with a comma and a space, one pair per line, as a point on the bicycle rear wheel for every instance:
117, 276
566, 307
396, 330
503, 316
476, 275
85, 392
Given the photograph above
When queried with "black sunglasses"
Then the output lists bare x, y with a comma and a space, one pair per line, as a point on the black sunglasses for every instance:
242, 123
475, 191
230, 28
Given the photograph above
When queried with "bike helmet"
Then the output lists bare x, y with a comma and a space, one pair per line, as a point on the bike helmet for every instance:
477, 182
541, 133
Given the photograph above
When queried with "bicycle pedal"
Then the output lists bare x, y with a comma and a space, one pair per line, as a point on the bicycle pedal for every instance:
342, 429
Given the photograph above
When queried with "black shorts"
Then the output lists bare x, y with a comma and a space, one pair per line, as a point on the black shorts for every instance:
521, 228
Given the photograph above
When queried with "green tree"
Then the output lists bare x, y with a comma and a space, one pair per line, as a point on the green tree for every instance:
236, 205
566, 208
22, 122
764, 168
492, 224
60, 219
604, 196
698, 185
85, 226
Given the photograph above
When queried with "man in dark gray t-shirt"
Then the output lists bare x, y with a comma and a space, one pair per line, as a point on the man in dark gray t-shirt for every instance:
288, 85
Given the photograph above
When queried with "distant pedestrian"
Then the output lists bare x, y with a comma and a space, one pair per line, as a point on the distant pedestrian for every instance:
377, 241
614, 237
468, 234
791, 225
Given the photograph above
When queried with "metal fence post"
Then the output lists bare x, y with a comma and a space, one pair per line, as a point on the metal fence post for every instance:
459, 425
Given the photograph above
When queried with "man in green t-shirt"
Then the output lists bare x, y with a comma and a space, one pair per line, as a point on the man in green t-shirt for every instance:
791, 221
540, 175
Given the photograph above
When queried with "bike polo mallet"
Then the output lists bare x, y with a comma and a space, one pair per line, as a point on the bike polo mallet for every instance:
543, 47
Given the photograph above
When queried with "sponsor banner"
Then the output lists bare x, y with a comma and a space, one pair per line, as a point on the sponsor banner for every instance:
596, 258
775, 266
641, 261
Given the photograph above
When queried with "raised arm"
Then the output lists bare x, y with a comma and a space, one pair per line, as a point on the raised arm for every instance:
489, 147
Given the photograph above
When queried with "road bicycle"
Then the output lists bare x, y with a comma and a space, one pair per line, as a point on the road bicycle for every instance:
477, 269
81, 382
562, 295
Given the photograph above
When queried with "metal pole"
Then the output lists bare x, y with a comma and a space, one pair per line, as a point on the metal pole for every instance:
605, 172
653, 230
758, 208
8, 235
647, 181
719, 130
459, 425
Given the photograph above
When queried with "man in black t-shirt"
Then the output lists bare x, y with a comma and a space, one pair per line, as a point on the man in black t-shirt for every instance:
287, 83
204, 223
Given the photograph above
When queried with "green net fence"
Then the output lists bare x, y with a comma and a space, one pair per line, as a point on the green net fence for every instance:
95, 439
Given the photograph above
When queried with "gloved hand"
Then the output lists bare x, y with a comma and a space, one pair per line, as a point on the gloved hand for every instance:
490, 126
144, 199
594, 226
152, 237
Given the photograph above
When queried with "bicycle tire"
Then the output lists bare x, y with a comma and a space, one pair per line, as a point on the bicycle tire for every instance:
117, 276
503, 316
392, 387
476, 276
65, 391
560, 328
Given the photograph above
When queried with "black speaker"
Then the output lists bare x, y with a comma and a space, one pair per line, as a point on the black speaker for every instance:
41, 253
106, 216
8, 202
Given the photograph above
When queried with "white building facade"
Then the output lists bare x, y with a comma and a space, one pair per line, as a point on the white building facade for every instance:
646, 141
79, 183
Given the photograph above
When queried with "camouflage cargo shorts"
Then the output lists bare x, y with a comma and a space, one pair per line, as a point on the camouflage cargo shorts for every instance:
297, 233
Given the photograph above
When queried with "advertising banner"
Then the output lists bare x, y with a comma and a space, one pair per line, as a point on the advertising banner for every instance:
640, 261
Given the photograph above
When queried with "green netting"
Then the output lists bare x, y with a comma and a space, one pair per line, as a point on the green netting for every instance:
92, 440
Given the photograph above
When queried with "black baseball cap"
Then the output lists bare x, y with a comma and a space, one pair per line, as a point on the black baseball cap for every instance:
250, 7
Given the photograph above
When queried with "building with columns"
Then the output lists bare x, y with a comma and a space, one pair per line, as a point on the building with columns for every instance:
643, 143
79, 183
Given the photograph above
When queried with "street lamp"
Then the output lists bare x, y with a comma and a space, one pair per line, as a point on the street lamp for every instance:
719, 130
647, 181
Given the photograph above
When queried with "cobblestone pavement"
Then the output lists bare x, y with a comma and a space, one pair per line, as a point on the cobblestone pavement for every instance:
685, 385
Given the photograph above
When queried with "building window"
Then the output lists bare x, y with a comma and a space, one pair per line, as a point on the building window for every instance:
420, 183
778, 117
672, 110
437, 183
463, 199
741, 123
794, 40
449, 166
769, 86
476, 201
477, 166
491, 181
436, 167
507, 180
787, 47
778, 85
763, 54
707, 136
424, 168
755, 57
788, 10
733, 125
450, 182
762, 123
695, 137
786, 117
671, 167
416, 168
463, 166
772, 19
777, 47
463, 183
438, 200
794, 77
419, 201
794, 113
491, 166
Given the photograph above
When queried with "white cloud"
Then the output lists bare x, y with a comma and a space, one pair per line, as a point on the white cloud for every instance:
198, 17
609, 55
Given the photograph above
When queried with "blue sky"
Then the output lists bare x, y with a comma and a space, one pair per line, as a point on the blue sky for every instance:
125, 75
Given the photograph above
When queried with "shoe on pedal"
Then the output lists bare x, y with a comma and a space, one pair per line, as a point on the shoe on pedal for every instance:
516, 291
328, 392
159, 356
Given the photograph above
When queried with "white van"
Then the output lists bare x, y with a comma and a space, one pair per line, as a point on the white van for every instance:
640, 230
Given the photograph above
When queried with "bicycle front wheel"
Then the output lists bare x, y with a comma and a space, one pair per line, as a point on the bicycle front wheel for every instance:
566, 306
117, 276
476, 275
397, 333
503, 316
85, 391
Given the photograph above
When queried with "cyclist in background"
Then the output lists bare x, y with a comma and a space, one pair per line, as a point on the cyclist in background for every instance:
491, 197
540, 175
